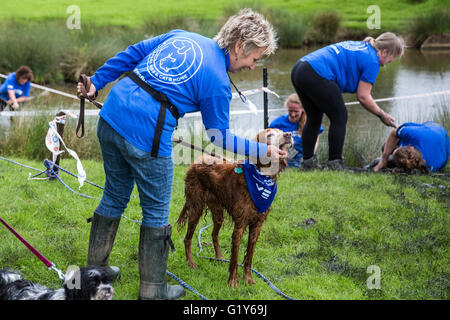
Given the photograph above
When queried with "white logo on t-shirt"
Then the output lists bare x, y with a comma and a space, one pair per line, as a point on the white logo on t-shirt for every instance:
175, 61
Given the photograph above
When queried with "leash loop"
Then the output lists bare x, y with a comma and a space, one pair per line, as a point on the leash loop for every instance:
86, 84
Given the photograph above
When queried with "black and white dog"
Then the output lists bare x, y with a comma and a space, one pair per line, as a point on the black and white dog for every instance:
87, 283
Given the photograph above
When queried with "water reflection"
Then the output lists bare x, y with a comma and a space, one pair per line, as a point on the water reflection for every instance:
417, 72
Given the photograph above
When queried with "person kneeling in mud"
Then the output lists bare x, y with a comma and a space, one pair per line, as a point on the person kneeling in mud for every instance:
413, 146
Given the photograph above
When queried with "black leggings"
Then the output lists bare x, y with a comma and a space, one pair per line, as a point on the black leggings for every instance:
319, 96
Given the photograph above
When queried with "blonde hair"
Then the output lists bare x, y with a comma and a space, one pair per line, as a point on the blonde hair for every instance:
393, 44
252, 29
293, 98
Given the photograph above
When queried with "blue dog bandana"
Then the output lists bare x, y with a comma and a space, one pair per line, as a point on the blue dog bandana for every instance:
262, 189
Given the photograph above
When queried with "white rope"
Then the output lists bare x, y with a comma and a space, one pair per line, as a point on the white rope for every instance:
234, 96
49, 89
421, 95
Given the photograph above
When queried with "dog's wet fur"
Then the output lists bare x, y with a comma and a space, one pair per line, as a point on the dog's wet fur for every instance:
215, 184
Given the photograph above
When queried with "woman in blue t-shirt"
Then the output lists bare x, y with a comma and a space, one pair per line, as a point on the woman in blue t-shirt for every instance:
294, 122
421, 146
322, 76
16, 88
172, 74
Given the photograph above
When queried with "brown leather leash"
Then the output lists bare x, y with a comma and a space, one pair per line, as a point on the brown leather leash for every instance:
82, 96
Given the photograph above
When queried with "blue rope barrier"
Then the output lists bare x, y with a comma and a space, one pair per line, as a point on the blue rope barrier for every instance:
70, 173
185, 285
53, 174
22, 165
259, 274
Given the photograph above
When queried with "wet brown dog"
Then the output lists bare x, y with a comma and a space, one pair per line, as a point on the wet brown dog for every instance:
215, 184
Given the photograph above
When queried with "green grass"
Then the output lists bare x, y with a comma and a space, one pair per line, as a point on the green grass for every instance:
108, 27
394, 14
399, 223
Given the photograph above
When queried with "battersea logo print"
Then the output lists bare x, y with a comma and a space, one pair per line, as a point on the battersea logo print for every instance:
354, 45
175, 61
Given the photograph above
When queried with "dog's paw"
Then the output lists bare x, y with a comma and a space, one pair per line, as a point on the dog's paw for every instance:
220, 256
249, 279
233, 283
192, 265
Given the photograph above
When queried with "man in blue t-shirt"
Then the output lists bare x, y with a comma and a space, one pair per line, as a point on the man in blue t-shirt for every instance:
321, 77
294, 122
16, 88
178, 70
422, 146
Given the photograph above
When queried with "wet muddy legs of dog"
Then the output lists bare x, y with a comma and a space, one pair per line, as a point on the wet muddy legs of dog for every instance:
253, 234
192, 225
235, 244
217, 217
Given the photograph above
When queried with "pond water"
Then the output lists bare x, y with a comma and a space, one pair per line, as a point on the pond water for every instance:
417, 72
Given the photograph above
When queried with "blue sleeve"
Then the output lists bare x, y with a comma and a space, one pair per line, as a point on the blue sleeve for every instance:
230, 142
320, 130
26, 89
370, 73
124, 61
9, 83
215, 116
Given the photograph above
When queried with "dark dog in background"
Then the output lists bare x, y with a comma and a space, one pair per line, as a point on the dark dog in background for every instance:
94, 284
216, 184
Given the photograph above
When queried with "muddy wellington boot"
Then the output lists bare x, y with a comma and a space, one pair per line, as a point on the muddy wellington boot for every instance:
154, 246
101, 240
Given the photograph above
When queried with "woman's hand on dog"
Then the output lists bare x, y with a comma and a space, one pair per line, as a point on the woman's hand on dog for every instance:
275, 153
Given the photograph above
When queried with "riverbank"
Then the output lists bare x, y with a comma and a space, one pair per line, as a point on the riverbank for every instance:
324, 231
24, 137
106, 29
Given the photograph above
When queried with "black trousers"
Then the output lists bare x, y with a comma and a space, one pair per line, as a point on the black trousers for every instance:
2, 104
319, 96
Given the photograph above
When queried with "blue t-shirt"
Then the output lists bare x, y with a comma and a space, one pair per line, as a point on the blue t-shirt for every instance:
12, 84
346, 63
430, 138
191, 70
283, 123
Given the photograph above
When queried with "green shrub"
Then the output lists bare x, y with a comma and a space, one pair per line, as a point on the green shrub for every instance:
433, 22
290, 26
324, 28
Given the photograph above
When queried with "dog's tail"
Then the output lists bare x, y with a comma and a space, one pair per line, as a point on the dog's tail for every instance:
184, 214
8, 276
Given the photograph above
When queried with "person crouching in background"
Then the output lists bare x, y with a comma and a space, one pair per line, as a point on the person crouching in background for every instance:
16, 88
293, 122
416, 146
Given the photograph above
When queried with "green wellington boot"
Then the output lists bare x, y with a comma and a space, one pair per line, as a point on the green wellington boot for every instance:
101, 240
153, 254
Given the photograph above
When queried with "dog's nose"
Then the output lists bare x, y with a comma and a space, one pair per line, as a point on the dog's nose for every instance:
287, 135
